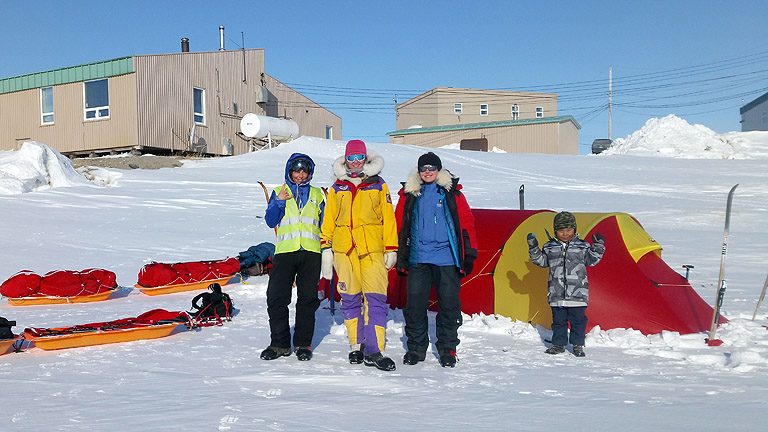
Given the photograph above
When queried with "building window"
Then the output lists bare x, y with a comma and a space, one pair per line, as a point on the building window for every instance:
515, 112
483, 109
96, 99
457, 109
329, 132
198, 95
539, 112
46, 105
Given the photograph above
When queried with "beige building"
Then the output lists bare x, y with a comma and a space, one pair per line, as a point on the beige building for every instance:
515, 122
181, 102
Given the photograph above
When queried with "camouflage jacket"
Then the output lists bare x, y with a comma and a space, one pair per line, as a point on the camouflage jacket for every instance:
567, 262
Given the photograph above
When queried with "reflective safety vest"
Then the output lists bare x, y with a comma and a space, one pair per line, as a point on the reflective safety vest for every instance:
300, 229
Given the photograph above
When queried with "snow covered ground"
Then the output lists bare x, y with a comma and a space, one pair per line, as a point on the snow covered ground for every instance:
213, 379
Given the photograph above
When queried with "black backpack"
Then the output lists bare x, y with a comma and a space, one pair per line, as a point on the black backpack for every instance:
5, 329
212, 305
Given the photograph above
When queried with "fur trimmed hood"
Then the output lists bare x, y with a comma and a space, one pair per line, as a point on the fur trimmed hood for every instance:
413, 185
374, 163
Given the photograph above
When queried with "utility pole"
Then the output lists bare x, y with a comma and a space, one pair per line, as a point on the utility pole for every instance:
610, 103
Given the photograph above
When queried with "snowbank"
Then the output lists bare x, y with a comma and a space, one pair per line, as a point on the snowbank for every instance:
674, 137
37, 167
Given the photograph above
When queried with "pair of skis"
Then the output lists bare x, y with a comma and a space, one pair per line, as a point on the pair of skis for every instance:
711, 340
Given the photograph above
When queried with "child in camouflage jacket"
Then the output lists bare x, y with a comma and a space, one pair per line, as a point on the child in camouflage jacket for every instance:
567, 257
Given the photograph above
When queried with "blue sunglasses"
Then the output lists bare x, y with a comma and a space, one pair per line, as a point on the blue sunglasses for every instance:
355, 158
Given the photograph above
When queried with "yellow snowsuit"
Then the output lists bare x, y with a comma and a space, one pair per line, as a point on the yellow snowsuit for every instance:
359, 226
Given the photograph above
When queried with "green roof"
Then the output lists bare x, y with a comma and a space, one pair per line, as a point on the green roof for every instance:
493, 124
84, 72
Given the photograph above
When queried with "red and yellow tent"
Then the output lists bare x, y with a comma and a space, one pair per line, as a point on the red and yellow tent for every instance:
632, 287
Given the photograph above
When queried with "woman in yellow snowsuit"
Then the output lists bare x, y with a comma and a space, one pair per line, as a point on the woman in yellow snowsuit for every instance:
359, 238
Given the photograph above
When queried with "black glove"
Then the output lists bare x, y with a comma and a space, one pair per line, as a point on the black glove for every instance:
532, 242
469, 264
598, 238
401, 271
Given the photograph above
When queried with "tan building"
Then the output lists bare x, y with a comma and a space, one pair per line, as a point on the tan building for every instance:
515, 122
186, 101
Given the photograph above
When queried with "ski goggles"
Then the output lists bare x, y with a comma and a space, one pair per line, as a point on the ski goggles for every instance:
301, 165
424, 168
355, 158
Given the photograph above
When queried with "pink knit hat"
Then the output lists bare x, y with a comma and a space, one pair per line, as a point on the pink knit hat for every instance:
355, 147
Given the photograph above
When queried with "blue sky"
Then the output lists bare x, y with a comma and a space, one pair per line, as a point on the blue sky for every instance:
699, 60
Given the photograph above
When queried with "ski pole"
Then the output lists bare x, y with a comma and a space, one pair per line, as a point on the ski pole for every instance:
332, 294
762, 296
721, 278
521, 194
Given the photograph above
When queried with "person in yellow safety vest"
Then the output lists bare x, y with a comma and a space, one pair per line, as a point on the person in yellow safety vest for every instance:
296, 209
359, 238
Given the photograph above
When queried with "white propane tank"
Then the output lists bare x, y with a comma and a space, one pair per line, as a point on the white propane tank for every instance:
258, 126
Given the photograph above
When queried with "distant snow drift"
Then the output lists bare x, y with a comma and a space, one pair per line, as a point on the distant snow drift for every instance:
672, 136
36, 167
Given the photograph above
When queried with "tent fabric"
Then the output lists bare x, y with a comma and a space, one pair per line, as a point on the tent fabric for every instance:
632, 287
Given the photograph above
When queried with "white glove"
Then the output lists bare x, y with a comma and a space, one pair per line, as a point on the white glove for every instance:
327, 264
390, 259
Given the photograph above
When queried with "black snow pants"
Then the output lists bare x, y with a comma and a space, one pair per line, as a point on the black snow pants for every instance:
303, 267
418, 287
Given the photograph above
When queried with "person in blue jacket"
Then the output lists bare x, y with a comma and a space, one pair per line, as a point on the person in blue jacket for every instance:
295, 210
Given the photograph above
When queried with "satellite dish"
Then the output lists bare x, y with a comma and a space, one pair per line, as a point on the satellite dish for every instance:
250, 125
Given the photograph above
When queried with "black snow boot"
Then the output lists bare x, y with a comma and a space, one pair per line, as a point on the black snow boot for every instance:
556, 349
380, 361
578, 350
447, 358
356, 356
273, 352
413, 357
304, 353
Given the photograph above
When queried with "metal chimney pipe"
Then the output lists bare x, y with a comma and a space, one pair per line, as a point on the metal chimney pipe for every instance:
221, 38
184, 44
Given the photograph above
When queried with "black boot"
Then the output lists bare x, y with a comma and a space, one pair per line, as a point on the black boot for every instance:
380, 361
447, 358
413, 357
273, 352
356, 356
578, 350
304, 353
556, 349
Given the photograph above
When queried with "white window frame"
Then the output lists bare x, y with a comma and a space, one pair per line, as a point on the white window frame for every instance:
539, 112
329, 132
46, 117
198, 117
99, 112
483, 111
458, 108
515, 110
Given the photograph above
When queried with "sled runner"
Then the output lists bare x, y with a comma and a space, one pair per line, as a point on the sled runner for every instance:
173, 288
8, 345
151, 325
40, 299
59, 286
162, 278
